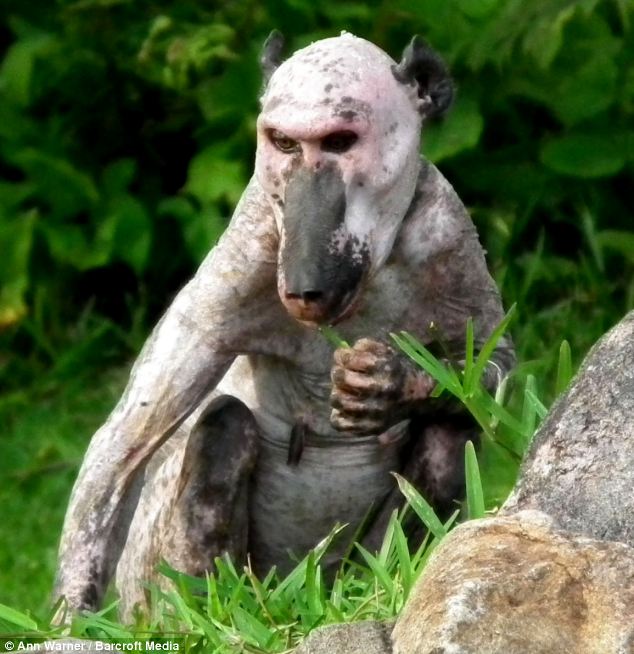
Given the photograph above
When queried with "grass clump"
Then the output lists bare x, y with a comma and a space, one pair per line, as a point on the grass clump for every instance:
232, 610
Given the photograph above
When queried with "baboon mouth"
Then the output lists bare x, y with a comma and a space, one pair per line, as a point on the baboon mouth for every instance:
348, 305
315, 313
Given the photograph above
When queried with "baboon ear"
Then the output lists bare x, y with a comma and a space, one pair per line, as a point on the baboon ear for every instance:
271, 55
422, 66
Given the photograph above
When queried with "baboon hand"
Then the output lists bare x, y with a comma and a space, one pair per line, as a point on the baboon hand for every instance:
374, 387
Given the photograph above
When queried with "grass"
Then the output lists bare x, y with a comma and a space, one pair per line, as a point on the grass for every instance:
234, 611
46, 426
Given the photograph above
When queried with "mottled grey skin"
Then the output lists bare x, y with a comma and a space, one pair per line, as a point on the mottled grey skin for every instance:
193, 461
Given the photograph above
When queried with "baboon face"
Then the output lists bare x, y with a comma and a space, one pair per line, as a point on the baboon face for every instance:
338, 156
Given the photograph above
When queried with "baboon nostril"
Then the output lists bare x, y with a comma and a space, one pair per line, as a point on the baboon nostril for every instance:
306, 296
312, 296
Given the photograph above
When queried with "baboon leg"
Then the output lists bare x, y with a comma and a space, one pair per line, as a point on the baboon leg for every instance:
433, 462
193, 506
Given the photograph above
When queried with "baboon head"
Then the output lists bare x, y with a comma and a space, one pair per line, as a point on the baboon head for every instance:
338, 156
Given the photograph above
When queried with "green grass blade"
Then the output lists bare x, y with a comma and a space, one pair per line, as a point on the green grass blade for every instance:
404, 558
489, 347
251, 629
475, 494
388, 539
588, 224
468, 379
380, 571
501, 415
313, 586
538, 406
214, 607
333, 337
535, 264
564, 368
444, 375
296, 578
529, 412
451, 520
19, 619
421, 507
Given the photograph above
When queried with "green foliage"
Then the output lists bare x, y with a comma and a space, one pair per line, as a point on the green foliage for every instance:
127, 135
507, 421
464, 384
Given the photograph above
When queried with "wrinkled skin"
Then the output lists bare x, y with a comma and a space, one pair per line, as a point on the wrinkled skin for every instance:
240, 429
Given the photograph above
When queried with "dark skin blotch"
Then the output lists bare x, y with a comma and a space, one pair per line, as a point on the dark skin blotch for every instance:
348, 116
89, 595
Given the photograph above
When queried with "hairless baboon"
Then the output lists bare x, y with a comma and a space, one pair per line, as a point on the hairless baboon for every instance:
239, 430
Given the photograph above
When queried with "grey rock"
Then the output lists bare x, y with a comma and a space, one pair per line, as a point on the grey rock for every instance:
580, 466
516, 585
370, 637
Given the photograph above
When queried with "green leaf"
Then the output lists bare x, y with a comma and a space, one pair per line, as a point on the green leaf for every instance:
404, 558
251, 629
332, 336
132, 237
68, 190
17, 618
469, 379
203, 230
16, 238
619, 241
71, 245
501, 414
118, 176
212, 176
475, 494
478, 8
16, 73
584, 155
379, 570
536, 404
313, 586
544, 39
564, 368
459, 131
486, 352
421, 507
587, 91
444, 375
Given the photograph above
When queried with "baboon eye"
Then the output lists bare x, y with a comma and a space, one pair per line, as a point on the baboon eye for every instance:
282, 142
339, 142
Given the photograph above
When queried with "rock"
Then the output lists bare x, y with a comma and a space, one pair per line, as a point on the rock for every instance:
369, 637
515, 585
580, 466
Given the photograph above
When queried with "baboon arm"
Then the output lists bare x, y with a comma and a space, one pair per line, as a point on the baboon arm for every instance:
184, 358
